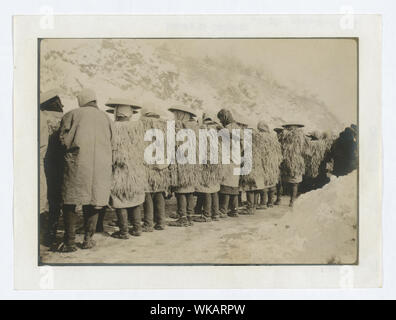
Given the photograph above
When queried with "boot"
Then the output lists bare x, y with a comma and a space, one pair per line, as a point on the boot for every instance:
100, 223
263, 199
122, 220
90, 222
278, 193
181, 222
136, 221
69, 217
293, 193
271, 193
53, 221
159, 211
148, 213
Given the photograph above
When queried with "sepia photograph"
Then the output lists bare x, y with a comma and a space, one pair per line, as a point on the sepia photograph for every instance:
198, 151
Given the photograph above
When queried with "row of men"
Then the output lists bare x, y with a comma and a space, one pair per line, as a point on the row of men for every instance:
81, 165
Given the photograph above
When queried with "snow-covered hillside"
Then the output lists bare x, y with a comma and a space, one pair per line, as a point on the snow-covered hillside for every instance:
158, 77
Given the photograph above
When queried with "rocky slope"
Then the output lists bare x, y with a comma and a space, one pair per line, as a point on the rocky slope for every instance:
158, 77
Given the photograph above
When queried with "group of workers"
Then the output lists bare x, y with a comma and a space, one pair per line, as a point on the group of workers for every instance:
80, 166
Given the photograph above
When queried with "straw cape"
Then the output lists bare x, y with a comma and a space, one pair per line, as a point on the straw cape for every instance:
184, 177
129, 181
210, 173
158, 176
294, 147
315, 155
266, 160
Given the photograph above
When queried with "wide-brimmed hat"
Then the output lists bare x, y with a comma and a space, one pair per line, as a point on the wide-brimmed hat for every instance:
183, 109
113, 102
293, 126
209, 119
48, 95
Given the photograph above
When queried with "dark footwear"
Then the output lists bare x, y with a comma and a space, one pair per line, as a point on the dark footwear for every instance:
88, 244
270, 205
291, 204
65, 248
244, 212
174, 215
233, 214
215, 218
223, 216
277, 202
181, 222
119, 235
146, 228
190, 222
159, 227
202, 218
136, 232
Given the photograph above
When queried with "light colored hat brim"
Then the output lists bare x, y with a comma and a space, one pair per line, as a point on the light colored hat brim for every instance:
113, 102
182, 109
44, 97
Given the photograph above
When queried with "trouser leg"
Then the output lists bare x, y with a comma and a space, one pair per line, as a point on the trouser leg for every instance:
100, 219
53, 221
90, 222
215, 205
199, 204
190, 207
271, 193
159, 210
250, 195
181, 204
182, 209
264, 198
148, 212
122, 219
135, 213
207, 205
256, 199
293, 193
234, 205
69, 218
224, 203
279, 191
261, 195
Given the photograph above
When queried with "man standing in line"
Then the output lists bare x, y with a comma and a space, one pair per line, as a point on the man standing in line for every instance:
52, 107
86, 135
128, 191
229, 188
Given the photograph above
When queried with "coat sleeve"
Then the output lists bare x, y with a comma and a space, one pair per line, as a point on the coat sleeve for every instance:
64, 130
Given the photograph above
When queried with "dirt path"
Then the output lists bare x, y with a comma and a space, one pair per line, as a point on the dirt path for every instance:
271, 236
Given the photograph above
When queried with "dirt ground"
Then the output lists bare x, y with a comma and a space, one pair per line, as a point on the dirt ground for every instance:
278, 235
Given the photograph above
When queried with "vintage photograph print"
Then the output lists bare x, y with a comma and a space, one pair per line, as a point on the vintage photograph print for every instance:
198, 151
